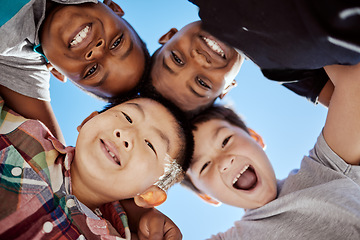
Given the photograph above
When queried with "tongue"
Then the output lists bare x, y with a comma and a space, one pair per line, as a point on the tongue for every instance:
247, 180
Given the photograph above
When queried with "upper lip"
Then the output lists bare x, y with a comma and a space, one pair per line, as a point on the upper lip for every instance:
85, 41
112, 150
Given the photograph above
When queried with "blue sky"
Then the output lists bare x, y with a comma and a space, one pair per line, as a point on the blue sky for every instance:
288, 123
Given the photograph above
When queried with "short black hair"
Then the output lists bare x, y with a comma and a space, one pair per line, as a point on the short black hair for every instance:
219, 112
184, 129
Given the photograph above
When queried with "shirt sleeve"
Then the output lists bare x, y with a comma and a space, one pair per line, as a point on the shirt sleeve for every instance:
27, 77
306, 83
230, 234
323, 154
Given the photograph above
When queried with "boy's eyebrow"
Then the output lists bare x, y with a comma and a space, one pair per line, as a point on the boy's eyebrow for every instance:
216, 132
164, 138
138, 107
128, 51
167, 67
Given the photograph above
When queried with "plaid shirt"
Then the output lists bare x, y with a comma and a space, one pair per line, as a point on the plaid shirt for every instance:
35, 188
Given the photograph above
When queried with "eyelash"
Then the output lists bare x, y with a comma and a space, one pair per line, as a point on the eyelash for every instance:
150, 146
202, 83
225, 142
117, 42
127, 117
177, 59
92, 70
204, 166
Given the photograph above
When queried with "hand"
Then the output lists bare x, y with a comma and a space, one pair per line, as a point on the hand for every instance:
155, 225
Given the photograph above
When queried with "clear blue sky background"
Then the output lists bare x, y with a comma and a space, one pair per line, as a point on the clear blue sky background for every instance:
288, 123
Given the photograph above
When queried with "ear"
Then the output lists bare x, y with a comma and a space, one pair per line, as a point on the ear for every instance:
152, 197
116, 8
167, 36
93, 114
257, 138
56, 73
209, 199
228, 88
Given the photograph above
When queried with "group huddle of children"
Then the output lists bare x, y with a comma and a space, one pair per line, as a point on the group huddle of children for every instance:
162, 127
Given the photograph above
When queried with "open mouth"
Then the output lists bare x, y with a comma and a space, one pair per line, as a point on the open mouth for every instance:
80, 36
111, 154
214, 46
246, 179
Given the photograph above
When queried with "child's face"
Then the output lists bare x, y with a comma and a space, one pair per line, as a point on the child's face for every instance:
94, 47
122, 151
193, 67
231, 166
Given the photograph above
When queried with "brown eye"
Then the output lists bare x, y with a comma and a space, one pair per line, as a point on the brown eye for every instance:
127, 117
150, 146
92, 70
226, 140
117, 42
176, 58
204, 166
202, 83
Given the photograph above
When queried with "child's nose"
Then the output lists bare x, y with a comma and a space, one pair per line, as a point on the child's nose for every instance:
125, 139
96, 51
200, 58
225, 163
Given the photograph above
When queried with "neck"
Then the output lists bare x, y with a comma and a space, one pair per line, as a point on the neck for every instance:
81, 191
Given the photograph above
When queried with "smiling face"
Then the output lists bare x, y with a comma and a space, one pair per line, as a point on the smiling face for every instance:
231, 166
94, 47
193, 68
122, 151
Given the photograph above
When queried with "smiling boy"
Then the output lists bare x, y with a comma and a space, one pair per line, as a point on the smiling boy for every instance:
132, 150
291, 41
193, 68
87, 41
318, 201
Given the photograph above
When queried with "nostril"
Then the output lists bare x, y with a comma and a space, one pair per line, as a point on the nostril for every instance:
118, 134
126, 144
89, 54
99, 43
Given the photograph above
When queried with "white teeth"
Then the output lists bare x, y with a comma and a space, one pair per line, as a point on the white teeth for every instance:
214, 46
241, 172
111, 154
80, 36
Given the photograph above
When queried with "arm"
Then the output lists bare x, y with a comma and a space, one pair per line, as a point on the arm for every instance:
342, 127
150, 223
326, 93
33, 109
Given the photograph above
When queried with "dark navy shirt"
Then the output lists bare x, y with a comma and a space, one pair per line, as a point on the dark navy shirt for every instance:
290, 40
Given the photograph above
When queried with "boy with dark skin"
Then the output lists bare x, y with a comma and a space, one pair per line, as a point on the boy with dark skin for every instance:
291, 41
87, 41
193, 68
